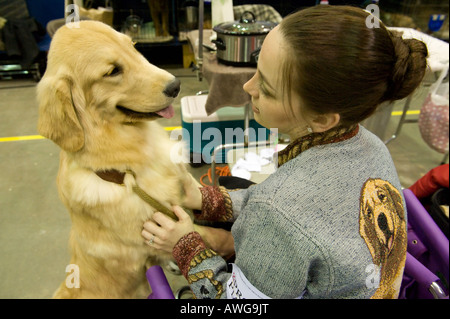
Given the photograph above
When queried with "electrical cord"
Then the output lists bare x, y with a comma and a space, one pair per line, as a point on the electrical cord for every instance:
220, 171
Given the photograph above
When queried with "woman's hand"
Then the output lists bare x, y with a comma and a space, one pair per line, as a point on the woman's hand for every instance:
164, 232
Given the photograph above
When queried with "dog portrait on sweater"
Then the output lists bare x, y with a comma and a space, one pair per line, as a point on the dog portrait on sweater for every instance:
383, 227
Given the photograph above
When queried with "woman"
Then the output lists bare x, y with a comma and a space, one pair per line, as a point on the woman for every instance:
331, 221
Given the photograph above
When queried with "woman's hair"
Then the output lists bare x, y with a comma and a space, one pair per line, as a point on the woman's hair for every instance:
336, 64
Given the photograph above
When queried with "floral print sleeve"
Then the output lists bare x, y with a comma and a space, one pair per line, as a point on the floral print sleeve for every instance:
216, 204
203, 268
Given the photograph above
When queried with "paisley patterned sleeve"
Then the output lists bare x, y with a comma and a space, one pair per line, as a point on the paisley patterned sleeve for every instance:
216, 204
203, 268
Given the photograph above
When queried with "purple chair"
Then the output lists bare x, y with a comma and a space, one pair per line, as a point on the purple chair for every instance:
159, 284
426, 274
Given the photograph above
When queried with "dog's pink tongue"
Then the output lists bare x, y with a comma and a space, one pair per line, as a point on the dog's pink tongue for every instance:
167, 113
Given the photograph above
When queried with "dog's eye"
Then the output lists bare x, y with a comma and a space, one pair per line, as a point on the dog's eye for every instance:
381, 196
114, 71
369, 212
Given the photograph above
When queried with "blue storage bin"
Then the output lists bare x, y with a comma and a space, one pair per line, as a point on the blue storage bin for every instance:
202, 133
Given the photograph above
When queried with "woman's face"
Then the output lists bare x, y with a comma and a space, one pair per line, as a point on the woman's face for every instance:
266, 90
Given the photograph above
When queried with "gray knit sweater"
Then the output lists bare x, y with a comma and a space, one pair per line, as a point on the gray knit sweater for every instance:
329, 223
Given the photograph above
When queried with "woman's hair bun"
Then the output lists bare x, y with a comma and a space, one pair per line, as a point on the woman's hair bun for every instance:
409, 68
336, 64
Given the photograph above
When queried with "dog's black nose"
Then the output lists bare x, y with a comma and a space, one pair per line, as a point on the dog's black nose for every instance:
173, 88
383, 222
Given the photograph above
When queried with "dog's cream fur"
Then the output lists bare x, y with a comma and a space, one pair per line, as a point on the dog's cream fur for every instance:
92, 69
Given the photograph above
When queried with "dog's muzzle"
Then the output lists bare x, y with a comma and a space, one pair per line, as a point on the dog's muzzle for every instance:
173, 88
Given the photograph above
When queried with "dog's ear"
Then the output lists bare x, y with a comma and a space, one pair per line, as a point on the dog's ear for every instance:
396, 200
58, 118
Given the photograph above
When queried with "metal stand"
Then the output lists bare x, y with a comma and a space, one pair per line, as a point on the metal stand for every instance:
245, 144
222, 147
402, 121
201, 10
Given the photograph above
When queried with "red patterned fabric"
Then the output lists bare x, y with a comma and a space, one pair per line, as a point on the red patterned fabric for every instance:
187, 247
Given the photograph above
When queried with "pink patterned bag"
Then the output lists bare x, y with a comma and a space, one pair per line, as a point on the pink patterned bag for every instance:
434, 116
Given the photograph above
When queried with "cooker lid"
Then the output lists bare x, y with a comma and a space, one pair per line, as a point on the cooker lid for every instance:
247, 25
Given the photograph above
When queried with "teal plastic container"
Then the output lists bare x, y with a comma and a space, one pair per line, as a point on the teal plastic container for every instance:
202, 133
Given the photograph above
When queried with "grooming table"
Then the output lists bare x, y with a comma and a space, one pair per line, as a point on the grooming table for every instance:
225, 82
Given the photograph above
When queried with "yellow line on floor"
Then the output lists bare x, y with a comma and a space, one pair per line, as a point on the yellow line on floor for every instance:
21, 138
397, 113
172, 128
39, 137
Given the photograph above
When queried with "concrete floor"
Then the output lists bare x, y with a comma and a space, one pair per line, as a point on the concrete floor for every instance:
34, 225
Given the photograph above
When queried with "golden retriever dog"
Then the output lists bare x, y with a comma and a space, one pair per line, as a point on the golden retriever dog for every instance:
97, 101
383, 227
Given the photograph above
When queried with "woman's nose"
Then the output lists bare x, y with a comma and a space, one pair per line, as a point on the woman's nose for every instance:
250, 87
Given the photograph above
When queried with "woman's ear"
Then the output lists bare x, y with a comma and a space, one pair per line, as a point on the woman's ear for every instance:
324, 122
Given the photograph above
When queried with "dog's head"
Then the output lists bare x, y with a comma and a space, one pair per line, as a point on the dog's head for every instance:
382, 218
95, 75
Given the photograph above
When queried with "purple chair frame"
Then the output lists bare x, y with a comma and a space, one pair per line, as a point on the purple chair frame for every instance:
428, 254
159, 284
